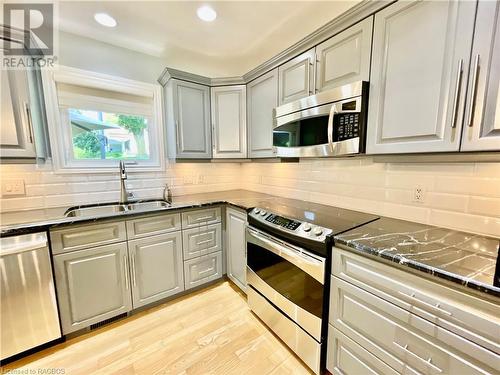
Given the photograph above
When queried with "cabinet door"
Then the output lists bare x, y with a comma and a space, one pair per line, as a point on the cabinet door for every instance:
420, 55
156, 268
92, 285
345, 58
482, 122
262, 99
236, 246
229, 122
16, 132
296, 78
192, 120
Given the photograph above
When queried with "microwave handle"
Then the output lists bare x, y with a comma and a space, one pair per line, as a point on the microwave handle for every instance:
333, 112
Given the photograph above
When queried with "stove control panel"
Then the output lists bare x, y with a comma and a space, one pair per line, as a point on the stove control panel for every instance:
299, 228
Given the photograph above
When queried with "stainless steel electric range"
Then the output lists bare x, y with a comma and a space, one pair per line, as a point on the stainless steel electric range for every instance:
288, 267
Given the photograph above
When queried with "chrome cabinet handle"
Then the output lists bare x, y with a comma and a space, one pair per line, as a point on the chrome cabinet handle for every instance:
472, 103
427, 362
457, 94
203, 218
30, 121
125, 270
203, 242
134, 281
434, 307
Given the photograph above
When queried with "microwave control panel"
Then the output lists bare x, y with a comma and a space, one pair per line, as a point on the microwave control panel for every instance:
347, 126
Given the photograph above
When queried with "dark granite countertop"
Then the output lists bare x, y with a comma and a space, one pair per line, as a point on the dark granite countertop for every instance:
28, 221
468, 259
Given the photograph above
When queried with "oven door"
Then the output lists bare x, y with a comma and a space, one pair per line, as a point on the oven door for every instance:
289, 277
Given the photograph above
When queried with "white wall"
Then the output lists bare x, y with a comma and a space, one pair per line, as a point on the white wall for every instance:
84, 53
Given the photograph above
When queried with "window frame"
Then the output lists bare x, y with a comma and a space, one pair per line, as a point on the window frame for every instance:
60, 135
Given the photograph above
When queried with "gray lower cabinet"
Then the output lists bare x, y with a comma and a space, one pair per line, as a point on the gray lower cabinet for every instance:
203, 240
420, 58
236, 251
92, 285
201, 270
187, 114
296, 78
345, 57
482, 122
262, 98
156, 268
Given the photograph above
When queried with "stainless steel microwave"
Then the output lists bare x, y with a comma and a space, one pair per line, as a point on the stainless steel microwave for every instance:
331, 123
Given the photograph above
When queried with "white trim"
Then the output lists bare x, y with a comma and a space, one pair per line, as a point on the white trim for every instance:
104, 82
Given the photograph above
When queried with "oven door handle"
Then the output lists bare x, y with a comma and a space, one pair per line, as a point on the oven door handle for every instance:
307, 262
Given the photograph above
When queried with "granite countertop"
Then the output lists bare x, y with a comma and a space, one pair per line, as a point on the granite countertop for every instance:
468, 259
26, 221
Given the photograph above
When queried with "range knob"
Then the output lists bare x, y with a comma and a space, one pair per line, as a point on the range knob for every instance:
306, 227
318, 231
257, 211
263, 213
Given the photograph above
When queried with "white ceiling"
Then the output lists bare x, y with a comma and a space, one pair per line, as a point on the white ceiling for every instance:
244, 35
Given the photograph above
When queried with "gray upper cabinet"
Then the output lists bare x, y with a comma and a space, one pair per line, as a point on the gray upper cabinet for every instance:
156, 268
296, 78
482, 122
92, 285
236, 221
16, 131
229, 121
262, 98
420, 57
345, 57
188, 120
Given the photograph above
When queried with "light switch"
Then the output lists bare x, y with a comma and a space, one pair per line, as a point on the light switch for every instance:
13, 188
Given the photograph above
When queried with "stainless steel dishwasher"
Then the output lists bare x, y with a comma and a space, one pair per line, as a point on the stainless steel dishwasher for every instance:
29, 316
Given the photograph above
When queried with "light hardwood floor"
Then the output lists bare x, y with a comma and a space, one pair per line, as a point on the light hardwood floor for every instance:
209, 332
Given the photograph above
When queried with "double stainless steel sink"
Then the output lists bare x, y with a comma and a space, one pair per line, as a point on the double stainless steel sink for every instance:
110, 209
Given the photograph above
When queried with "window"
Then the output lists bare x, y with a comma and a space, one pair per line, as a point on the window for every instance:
100, 120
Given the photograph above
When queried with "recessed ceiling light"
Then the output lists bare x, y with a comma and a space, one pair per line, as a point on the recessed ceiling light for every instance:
105, 19
206, 13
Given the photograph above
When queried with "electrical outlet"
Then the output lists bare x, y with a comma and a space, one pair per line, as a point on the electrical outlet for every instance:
188, 180
418, 194
13, 188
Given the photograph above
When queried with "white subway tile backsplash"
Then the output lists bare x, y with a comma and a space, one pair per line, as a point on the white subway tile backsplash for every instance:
456, 195
463, 196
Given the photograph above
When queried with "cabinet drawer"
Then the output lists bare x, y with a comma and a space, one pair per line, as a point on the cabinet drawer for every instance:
201, 270
403, 340
346, 357
471, 317
149, 226
196, 218
84, 236
202, 240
